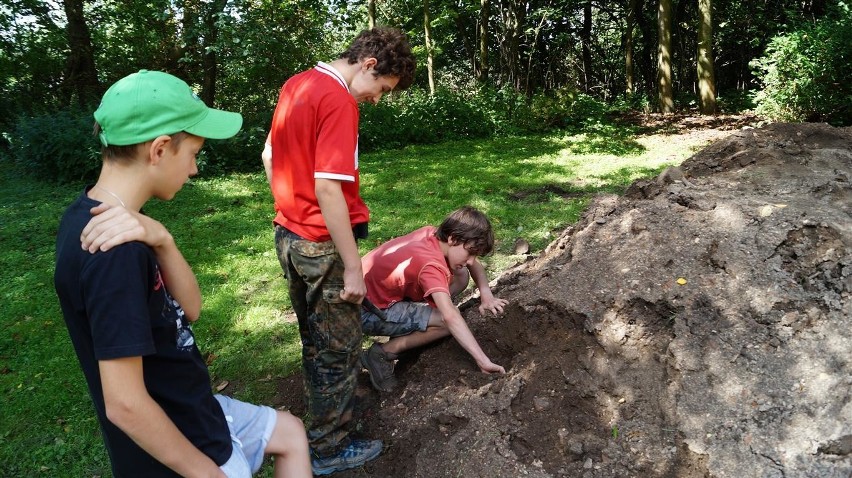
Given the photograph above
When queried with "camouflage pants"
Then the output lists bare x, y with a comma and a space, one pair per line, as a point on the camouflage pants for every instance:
330, 330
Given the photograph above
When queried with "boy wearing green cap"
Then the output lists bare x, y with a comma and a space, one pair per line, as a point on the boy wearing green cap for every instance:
128, 297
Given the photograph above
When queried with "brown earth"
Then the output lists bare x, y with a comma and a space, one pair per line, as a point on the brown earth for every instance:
688, 329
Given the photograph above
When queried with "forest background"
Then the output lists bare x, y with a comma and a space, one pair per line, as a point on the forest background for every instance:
486, 67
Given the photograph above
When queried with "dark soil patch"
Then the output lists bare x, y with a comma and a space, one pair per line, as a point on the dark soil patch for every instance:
563, 192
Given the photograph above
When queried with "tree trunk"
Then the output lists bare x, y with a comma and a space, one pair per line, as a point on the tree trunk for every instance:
371, 14
80, 81
645, 70
706, 75
628, 47
209, 61
512, 27
586, 42
484, 13
665, 92
427, 33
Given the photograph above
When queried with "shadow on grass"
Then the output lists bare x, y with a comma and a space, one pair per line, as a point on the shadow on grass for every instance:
605, 138
615, 182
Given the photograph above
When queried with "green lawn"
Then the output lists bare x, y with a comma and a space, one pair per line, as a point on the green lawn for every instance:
531, 187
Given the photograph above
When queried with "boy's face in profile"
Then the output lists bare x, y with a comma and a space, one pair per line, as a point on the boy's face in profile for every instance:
458, 256
366, 87
177, 166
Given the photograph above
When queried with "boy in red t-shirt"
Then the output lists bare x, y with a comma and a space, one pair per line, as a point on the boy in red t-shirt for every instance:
312, 167
411, 281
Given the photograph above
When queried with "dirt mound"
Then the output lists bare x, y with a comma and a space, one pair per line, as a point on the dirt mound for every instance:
700, 326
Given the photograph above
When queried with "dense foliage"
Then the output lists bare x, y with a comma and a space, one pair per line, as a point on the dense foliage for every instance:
56, 147
806, 73
500, 66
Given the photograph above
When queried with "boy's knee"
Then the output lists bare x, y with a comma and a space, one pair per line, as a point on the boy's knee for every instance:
288, 436
459, 282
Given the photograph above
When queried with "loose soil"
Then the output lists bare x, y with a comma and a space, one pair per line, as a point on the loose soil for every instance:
697, 328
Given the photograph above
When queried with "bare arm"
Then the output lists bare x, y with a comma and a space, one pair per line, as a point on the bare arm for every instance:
487, 301
461, 332
131, 408
266, 157
112, 225
335, 212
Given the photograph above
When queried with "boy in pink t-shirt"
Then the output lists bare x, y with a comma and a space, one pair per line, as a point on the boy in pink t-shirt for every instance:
411, 281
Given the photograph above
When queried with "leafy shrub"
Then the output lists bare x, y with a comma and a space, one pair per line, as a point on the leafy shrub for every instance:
735, 101
418, 118
415, 117
57, 147
628, 103
60, 148
240, 153
805, 73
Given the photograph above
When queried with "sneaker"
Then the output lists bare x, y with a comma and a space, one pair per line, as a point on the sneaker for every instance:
380, 365
358, 453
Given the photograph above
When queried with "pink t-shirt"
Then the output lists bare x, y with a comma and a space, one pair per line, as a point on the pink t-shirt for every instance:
411, 267
314, 135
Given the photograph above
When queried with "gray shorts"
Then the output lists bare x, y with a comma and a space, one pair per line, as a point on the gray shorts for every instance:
251, 427
402, 318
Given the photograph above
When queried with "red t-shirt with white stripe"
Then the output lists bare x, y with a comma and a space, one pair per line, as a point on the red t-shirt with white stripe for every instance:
314, 135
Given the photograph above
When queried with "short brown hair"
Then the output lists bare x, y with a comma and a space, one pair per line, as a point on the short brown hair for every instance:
391, 50
124, 153
470, 227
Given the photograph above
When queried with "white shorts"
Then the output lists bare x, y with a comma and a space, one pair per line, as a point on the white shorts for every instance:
251, 427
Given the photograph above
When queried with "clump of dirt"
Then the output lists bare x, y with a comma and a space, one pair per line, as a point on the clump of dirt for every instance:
700, 326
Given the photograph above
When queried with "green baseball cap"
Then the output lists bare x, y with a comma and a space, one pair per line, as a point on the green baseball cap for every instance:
147, 104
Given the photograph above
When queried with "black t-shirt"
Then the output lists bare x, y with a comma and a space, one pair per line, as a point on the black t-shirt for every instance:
116, 305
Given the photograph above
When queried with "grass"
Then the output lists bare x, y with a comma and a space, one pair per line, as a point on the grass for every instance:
531, 187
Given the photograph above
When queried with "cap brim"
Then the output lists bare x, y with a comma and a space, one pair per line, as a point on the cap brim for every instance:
217, 124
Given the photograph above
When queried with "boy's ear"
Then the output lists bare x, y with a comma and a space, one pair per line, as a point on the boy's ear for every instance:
369, 62
158, 148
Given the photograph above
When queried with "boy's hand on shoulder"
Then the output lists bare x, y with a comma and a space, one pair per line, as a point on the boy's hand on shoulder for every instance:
493, 305
111, 226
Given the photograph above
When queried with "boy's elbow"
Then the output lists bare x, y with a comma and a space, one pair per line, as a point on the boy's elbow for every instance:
120, 411
125, 409
193, 312
452, 320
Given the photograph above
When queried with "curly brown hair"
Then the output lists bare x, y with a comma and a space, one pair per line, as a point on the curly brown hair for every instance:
470, 227
391, 50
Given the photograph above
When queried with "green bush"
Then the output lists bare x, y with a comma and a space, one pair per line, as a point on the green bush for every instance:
735, 101
632, 102
415, 117
57, 147
805, 73
240, 153
60, 148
